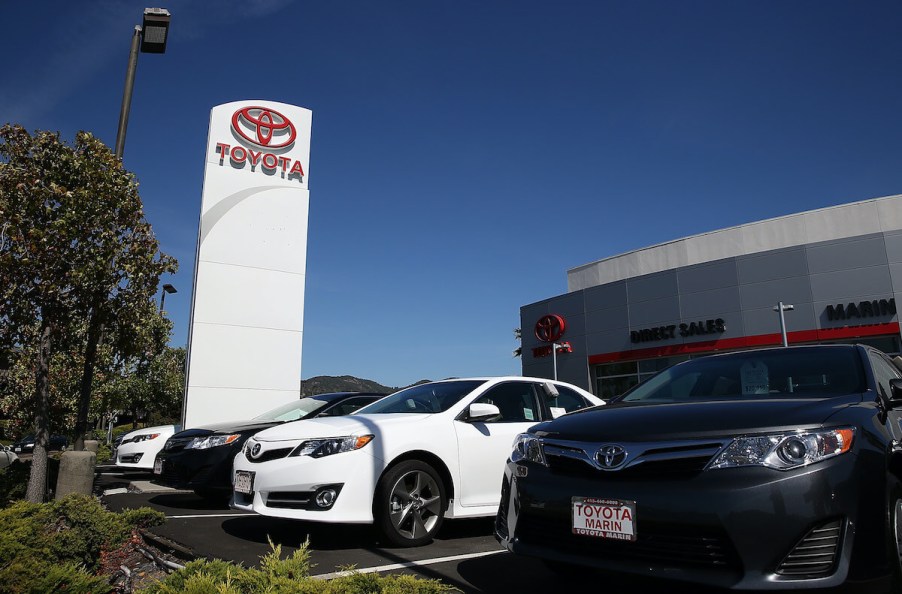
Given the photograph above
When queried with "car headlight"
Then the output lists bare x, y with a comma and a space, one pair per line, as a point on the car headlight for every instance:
211, 441
528, 447
145, 437
784, 451
317, 448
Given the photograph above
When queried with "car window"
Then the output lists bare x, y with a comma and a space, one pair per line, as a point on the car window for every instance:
567, 400
516, 401
428, 398
811, 372
346, 407
883, 372
293, 410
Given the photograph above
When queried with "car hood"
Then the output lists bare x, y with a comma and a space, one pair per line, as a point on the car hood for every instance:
339, 426
633, 421
227, 427
158, 429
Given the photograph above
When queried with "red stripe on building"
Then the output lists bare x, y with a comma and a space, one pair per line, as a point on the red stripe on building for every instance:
760, 340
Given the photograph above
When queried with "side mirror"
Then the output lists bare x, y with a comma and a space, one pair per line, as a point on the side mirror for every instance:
895, 397
482, 411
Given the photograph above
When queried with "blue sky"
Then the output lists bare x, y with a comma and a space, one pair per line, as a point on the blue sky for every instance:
466, 153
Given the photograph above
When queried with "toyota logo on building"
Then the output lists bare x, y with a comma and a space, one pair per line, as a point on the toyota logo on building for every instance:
264, 127
550, 328
611, 457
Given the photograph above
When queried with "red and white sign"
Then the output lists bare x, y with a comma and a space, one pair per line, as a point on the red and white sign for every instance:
605, 518
265, 141
244, 354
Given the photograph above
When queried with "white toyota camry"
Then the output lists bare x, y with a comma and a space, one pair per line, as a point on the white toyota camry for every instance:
406, 462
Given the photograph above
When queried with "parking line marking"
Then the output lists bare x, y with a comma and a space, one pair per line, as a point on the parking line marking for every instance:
409, 564
207, 516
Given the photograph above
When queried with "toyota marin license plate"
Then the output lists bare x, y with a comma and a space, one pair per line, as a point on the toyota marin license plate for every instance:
604, 518
158, 466
244, 482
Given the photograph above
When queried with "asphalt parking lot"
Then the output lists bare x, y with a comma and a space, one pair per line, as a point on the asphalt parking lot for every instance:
465, 555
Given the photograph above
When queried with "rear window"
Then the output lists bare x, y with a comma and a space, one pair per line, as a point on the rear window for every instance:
815, 373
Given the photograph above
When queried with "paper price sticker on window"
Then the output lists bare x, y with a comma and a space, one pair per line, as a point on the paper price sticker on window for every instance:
755, 379
604, 518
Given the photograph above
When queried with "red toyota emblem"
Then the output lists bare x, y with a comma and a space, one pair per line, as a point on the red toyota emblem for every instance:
550, 328
264, 127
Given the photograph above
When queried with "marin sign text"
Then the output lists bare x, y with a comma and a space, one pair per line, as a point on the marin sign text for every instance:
716, 326
862, 309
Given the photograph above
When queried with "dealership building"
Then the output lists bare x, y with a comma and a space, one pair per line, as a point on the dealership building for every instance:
836, 272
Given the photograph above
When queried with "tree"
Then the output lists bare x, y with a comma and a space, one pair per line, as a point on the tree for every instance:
76, 252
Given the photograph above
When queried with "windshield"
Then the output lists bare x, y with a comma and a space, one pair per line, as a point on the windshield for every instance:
807, 373
425, 399
293, 410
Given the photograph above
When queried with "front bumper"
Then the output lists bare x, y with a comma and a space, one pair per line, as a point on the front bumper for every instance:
284, 487
199, 469
740, 528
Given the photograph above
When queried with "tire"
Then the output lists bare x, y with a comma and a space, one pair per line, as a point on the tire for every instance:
410, 503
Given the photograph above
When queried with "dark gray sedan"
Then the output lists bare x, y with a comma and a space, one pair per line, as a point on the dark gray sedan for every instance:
768, 469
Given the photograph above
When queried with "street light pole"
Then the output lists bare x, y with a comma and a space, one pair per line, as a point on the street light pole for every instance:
780, 307
127, 93
149, 38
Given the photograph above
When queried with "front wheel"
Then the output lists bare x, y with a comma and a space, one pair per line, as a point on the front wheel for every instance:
410, 504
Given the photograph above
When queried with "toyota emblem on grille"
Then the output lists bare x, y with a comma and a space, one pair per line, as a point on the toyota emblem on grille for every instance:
611, 457
255, 451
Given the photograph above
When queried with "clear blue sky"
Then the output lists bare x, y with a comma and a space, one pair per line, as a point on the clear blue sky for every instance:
466, 153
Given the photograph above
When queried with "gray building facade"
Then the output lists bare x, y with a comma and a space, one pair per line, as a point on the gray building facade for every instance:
626, 317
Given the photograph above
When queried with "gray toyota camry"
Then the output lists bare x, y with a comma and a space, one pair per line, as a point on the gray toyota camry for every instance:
765, 469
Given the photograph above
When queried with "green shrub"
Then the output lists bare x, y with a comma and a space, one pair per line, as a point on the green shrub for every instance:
14, 479
62, 541
284, 576
34, 576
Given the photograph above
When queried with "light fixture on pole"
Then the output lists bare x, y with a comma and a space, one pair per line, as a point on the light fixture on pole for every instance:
167, 288
150, 38
781, 307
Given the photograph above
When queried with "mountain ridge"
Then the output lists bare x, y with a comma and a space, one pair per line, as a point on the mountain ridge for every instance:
322, 384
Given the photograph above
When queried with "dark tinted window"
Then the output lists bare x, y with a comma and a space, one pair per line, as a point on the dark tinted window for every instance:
346, 407
516, 401
806, 372
883, 372
567, 400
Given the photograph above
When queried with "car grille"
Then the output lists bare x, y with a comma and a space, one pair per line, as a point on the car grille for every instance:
173, 475
654, 460
270, 455
177, 444
289, 499
815, 555
672, 545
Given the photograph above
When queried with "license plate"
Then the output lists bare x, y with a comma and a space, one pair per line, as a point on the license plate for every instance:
604, 518
244, 482
158, 466
17, 450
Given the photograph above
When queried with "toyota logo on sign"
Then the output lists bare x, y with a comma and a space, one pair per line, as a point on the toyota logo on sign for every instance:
264, 127
550, 328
